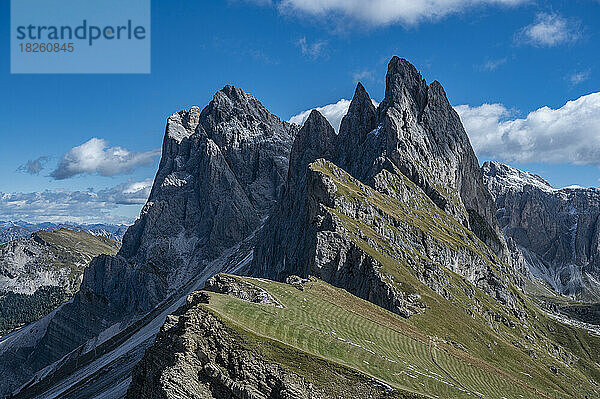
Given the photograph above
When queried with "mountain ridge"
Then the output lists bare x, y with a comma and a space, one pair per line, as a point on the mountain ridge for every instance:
557, 229
391, 216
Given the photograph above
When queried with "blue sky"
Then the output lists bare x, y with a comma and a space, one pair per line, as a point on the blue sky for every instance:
516, 56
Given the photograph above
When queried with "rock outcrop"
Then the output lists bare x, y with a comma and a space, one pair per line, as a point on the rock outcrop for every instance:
197, 354
558, 230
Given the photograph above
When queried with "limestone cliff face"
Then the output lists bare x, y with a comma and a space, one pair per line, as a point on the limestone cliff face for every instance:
221, 171
415, 136
557, 229
423, 136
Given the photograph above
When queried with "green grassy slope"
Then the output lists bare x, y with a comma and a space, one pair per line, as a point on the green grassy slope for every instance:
521, 346
339, 329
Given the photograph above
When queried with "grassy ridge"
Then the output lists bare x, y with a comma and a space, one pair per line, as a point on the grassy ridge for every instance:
536, 353
336, 327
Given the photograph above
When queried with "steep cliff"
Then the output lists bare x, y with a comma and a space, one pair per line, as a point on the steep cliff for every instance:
221, 171
558, 230
413, 152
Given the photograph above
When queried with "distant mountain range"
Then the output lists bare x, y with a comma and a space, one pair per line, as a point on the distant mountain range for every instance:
43, 270
10, 230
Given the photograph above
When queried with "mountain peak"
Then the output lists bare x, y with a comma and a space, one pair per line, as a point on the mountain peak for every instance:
404, 83
360, 100
313, 141
354, 129
501, 178
316, 133
234, 93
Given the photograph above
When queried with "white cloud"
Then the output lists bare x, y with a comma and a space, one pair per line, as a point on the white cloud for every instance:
312, 50
35, 166
95, 156
549, 30
332, 112
387, 12
74, 206
362, 76
492, 65
569, 134
132, 193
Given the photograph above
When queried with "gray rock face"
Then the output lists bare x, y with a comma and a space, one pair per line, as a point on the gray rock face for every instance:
414, 133
221, 172
208, 360
288, 239
425, 139
558, 230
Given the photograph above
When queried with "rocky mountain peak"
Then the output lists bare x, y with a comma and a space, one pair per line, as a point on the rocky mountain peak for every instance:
221, 172
234, 115
404, 86
314, 140
353, 153
556, 229
501, 178
416, 135
361, 117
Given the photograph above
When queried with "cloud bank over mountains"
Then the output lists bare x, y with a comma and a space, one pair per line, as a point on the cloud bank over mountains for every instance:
74, 206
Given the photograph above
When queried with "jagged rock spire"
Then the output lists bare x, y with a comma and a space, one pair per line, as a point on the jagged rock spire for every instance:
315, 140
404, 86
360, 120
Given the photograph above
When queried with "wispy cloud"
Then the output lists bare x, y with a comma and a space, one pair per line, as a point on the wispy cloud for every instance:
363, 76
96, 157
492, 65
35, 166
569, 134
549, 30
76, 206
579, 77
312, 50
